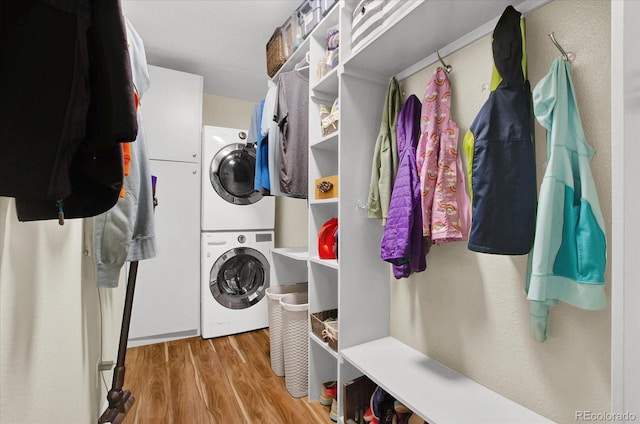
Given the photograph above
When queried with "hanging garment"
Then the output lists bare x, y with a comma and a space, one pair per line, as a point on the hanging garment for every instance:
500, 151
262, 158
126, 158
254, 124
44, 57
262, 163
62, 151
402, 242
292, 116
445, 203
268, 110
385, 156
126, 232
569, 253
269, 128
37, 138
261, 177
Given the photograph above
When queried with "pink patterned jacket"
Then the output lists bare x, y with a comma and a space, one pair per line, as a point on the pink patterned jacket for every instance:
445, 203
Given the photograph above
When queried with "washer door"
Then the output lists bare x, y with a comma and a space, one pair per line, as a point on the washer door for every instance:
232, 174
239, 278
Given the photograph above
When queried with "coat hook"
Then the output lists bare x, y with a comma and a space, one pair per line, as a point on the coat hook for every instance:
447, 68
568, 56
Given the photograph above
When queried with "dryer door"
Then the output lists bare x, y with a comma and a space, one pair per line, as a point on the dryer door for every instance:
239, 278
232, 173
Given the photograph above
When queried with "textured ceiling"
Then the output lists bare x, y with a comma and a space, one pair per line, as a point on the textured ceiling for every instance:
222, 40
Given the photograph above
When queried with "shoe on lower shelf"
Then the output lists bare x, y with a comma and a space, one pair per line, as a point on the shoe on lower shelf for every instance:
369, 417
400, 408
415, 419
333, 414
328, 393
381, 403
403, 417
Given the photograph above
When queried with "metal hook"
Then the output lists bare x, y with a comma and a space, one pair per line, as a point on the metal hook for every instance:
568, 56
447, 68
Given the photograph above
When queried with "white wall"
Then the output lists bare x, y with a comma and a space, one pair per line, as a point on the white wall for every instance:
50, 324
226, 111
625, 110
469, 310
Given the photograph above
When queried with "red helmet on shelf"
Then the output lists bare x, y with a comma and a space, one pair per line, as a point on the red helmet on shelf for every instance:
327, 239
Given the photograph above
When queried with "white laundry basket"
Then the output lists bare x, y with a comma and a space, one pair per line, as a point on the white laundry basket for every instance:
295, 341
274, 294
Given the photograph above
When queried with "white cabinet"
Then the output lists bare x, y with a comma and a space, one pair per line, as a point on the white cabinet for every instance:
172, 114
166, 303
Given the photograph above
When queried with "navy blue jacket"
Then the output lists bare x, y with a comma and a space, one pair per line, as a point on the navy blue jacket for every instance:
500, 152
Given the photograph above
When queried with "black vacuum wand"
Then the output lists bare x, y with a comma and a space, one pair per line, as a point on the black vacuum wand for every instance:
120, 401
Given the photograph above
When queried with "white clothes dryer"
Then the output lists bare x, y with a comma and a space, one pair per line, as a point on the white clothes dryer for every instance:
236, 271
229, 201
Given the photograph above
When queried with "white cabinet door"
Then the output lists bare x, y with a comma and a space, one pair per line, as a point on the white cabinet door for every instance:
172, 114
167, 297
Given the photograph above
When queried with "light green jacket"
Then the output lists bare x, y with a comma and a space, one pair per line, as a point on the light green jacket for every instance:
385, 157
568, 259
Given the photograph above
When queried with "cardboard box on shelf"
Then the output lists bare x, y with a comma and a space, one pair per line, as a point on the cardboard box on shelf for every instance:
326, 187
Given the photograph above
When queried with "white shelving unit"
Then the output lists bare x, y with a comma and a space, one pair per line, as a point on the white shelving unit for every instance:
313, 338
425, 385
358, 284
323, 162
295, 253
329, 142
289, 265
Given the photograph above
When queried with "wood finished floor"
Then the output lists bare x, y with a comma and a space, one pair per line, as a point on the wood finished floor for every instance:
223, 380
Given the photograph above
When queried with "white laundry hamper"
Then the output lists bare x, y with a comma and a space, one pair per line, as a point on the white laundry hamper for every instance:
295, 341
274, 294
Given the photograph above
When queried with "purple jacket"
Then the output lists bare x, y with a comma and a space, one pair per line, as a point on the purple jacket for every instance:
402, 243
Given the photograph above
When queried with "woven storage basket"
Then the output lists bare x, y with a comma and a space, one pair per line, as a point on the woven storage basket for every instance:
331, 334
295, 341
275, 53
317, 321
328, 120
274, 294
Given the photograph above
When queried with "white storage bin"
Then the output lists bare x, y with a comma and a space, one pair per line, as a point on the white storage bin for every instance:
295, 341
310, 16
392, 8
274, 294
292, 34
326, 5
367, 17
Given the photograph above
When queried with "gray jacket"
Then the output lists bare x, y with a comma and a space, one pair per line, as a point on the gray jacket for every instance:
126, 232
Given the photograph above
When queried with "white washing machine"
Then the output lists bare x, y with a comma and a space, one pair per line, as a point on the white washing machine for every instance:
235, 272
229, 201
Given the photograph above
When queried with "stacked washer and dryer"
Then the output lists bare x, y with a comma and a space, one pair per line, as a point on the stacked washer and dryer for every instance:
237, 236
